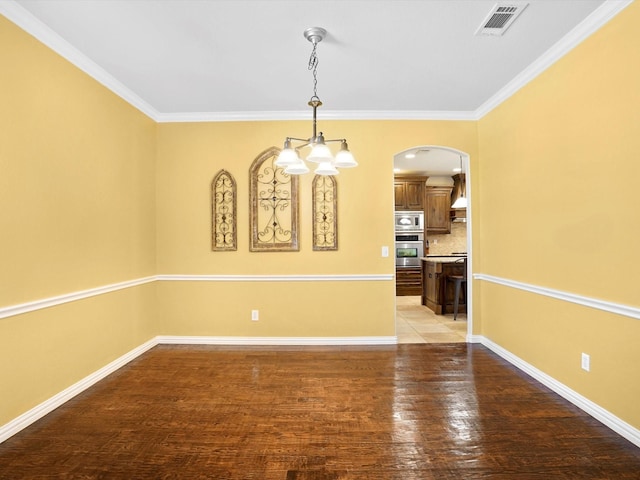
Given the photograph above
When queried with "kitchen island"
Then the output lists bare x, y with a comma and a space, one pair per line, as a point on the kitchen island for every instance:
437, 293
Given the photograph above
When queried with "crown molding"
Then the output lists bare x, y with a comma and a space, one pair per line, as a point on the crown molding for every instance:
597, 18
25, 20
34, 27
194, 117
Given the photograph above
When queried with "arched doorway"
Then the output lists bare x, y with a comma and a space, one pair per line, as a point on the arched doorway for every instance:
442, 166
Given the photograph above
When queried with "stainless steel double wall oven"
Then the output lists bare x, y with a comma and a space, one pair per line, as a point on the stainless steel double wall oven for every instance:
409, 246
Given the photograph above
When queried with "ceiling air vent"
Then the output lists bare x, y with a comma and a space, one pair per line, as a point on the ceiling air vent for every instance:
500, 18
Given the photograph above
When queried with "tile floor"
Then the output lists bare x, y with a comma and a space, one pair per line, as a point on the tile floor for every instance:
415, 323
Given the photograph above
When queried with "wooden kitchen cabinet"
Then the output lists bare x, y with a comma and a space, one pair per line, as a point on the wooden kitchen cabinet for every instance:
409, 193
408, 281
437, 207
430, 276
438, 294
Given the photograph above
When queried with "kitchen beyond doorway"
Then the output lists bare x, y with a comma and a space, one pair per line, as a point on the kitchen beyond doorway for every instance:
433, 161
415, 323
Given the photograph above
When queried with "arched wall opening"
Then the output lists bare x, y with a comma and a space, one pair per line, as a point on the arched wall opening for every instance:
438, 163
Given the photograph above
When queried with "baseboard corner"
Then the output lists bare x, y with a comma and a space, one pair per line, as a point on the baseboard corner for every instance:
36, 413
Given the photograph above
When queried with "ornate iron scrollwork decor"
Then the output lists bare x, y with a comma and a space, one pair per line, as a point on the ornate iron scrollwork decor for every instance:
325, 213
223, 213
273, 219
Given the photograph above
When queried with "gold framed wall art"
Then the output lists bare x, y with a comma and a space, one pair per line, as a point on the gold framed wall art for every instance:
224, 235
273, 212
325, 212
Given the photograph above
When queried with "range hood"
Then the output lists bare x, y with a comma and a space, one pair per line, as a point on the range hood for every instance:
458, 212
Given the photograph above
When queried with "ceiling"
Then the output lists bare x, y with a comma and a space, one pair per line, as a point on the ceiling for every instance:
193, 60
248, 58
431, 161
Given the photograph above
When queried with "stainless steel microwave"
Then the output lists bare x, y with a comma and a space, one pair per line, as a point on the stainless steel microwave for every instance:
409, 221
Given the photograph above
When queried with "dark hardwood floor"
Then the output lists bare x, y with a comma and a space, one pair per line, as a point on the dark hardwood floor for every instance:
401, 412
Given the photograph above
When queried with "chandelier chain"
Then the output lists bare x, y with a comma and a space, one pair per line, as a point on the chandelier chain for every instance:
313, 65
289, 159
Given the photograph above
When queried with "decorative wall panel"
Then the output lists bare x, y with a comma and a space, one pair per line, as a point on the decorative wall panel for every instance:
223, 213
273, 219
325, 213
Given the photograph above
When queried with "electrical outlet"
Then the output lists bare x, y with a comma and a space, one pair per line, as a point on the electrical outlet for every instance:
434, 241
255, 315
586, 362
385, 252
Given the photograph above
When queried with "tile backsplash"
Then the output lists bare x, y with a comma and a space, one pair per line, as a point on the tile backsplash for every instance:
446, 244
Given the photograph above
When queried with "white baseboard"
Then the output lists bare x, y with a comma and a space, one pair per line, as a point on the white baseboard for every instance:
607, 418
23, 421
197, 340
39, 411
604, 416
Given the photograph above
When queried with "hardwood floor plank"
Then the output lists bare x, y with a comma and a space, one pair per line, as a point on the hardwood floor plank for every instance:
415, 411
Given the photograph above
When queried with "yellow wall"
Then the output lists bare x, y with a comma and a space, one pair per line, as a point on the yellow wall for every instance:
93, 193
189, 155
558, 198
77, 211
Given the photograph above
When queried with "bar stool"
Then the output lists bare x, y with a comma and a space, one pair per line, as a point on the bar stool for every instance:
459, 281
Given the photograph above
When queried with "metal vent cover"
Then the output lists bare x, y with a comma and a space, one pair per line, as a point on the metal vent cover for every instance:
500, 18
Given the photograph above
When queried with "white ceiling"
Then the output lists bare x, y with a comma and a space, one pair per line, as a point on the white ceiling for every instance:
428, 160
191, 60
246, 59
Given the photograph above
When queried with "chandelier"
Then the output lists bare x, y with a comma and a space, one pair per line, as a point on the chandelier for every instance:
320, 153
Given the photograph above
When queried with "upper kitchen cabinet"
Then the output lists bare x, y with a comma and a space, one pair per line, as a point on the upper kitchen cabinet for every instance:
409, 193
436, 211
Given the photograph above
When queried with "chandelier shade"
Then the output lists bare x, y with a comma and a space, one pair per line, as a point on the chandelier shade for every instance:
344, 158
298, 168
288, 156
320, 153
326, 168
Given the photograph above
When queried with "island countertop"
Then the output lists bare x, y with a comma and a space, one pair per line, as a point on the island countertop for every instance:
443, 258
